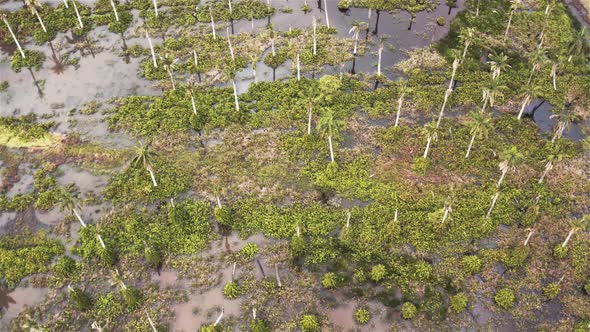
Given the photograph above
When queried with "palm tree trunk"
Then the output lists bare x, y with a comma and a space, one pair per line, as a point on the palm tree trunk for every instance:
171, 79
427, 147
235, 95
152, 176
501, 178
494, 199
78, 14
331, 149
554, 75
377, 22
212, 23
298, 68
442, 109
477, 9
22, 53
115, 10
508, 26
485, 104
532, 73
314, 37
379, 52
548, 167
79, 218
356, 41
395, 215
101, 241
309, 118
400, 102
66, 3
193, 104
277, 276
569, 236
35, 82
151, 322
155, 7
151, 49
469, 147
326, 12
445, 215
528, 237
525, 103
231, 49
272, 46
40, 20
465, 50
219, 317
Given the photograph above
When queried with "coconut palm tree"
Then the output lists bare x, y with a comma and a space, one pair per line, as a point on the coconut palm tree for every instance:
565, 118
33, 6
355, 29
578, 225
480, 125
537, 57
69, 201
467, 37
498, 63
382, 40
492, 90
143, 157
511, 158
328, 126
169, 64
430, 130
551, 159
579, 45
530, 92
514, 6
403, 88
5, 19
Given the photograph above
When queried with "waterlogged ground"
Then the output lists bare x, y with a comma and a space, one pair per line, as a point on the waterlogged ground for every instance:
75, 96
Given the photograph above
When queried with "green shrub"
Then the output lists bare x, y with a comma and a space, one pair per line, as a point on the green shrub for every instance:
249, 250
421, 165
378, 272
471, 264
362, 316
232, 290
310, 323
409, 310
587, 287
80, 299
360, 275
4, 86
330, 280
65, 267
516, 258
560, 252
459, 302
552, 290
297, 246
132, 297
505, 298
259, 325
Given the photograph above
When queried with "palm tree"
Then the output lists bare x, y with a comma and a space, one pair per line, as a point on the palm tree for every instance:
565, 118
328, 126
530, 92
455, 65
78, 14
69, 201
298, 66
382, 40
314, 36
514, 6
480, 124
4, 18
236, 102
143, 157
155, 3
498, 63
326, 12
355, 29
512, 158
467, 36
537, 57
551, 159
169, 64
442, 109
491, 91
578, 225
115, 10
33, 5
579, 45
254, 60
190, 85
212, 22
430, 130
400, 101
554, 70
151, 49
231, 49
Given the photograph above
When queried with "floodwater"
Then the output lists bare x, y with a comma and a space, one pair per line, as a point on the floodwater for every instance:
17, 300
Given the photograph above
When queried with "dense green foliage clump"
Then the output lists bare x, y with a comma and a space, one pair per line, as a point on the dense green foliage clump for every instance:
362, 316
25, 127
505, 298
409, 310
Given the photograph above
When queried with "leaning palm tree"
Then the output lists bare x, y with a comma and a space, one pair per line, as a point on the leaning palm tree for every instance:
578, 225
480, 125
143, 157
115, 10
565, 118
551, 159
326, 12
442, 108
5, 19
514, 6
315, 42
512, 158
169, 64
467, 36
498, 63
328, 126
355, 29
155, 3
212, 22
430, 130
33, 6
530, 92
400, 101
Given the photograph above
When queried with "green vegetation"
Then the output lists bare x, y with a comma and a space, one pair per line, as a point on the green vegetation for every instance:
409, 310
232, 290
459, 302
362, 316
309, 323
329, 280
505, 298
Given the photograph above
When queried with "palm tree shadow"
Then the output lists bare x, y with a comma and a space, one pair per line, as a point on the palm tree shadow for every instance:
58, 66
5, 299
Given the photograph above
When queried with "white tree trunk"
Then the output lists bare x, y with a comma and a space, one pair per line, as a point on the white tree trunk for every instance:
395, 215
218, 201
331, 149
548, 167
195, 58
508, 26
231, 49
356, 41
171, 79
79, 218
277, 276
152, 176
569, 236
348, 219
445, 215
219, 317
379, 52
400, 102
465, 50
455, 66
427, 147
40, 20
151, 49
469, 147
155, 7
212, 23
115, 10
309, 119
314, 37
272, 46
494, 199
151, 322
525, 103
528, 238
501, 178
66, 3
326, 11
442, 109
485, 103
193, 104
14, 38
298, 68
235, 95
78, 15
554, 75
101, 241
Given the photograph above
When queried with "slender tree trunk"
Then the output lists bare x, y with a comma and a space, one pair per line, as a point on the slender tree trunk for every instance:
101, 241
171, 79
379, 53
314, 37
442, 109
272, 46
260, 267
548, 167
501, 178
212, 23
79, 218
427, 148
400, 102
152, 176
525, 103
450, 9
445, 215
412, 18
66, 3
470, 145
352, 71
155, 7
377, 22
40, 20
465, 50
569, 236
535, 65
356, 41
331, 149
193, 104
231, 49
35, 82
78, 15
309, 108
395, 215
151, 49
485, 104
115, 10
477, 9
326, 12
235, 95
508, 26
528, 237
277, 276
554, 75
298, 68
22, 53
494, 199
